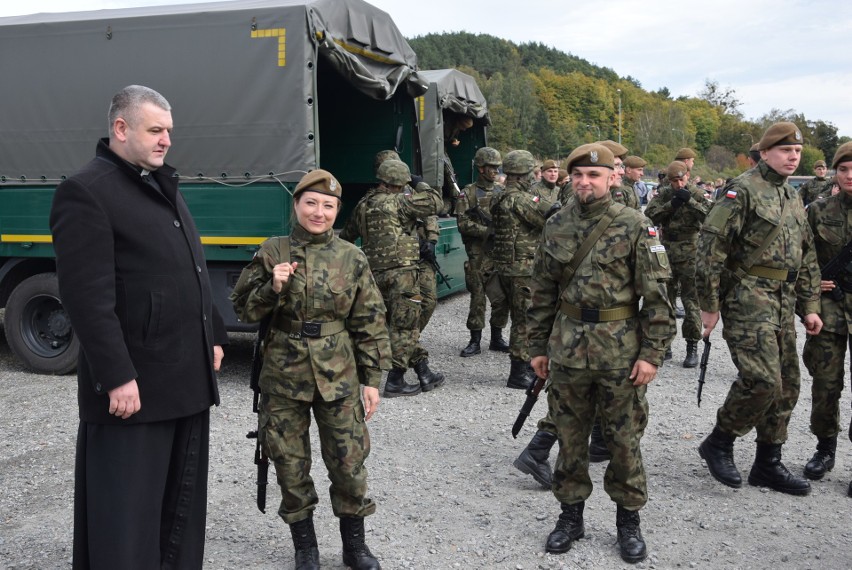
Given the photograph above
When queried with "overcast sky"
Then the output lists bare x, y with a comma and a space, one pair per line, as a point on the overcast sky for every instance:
774, 53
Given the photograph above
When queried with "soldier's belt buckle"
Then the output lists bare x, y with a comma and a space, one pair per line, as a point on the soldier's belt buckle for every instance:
311, 329
792, 276
590, 315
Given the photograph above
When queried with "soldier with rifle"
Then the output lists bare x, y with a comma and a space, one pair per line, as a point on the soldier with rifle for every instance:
825, 353
477, 230
324, 353
599, 322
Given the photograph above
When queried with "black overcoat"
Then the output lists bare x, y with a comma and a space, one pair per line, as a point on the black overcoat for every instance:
133, 279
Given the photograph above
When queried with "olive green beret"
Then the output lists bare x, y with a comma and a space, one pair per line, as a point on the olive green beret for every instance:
594, 154
843, 154
780, 133
685, 153
321, 181
634, 162
549, 163
562, 173
616, 149
676, 170
819, 163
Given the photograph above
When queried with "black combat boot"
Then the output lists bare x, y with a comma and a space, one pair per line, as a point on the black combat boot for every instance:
691, 360
428, 380
597, 446
823, 459
569, 528
668, 354
497, 343
630, 540
768, 471
356, 555
473, 346
717, 450
305, 541
396, 385
533, 460
519, 375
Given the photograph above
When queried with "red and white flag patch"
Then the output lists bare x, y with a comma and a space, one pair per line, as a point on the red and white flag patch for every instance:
652, 231
731, 194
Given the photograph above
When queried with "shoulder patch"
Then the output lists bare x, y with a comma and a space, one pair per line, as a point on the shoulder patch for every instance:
652, 231
536, 199
731, 194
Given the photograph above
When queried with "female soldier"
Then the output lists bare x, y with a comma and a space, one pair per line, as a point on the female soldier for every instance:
327, 334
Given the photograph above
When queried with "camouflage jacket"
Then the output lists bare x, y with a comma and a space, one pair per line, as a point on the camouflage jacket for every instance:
831, 222
473, 226
332, 282
626, 195
387, 225
518, 221
545, 192
811, 190
627, 264
682, 223
565, 193
737, 226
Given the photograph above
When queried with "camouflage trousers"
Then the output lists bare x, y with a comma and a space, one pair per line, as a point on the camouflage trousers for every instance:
401, 292
284, 429
825, 359
477, 269
575, 397
429, 294
518, 292
764, 395
682, 256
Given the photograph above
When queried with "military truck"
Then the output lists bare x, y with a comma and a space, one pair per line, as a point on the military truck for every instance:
261, 93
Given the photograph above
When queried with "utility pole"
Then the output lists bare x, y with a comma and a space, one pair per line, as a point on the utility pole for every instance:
619, 115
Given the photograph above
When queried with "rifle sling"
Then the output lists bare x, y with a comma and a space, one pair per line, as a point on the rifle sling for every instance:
745, 268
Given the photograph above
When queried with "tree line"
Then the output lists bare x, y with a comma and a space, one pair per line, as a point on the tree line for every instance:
549, 102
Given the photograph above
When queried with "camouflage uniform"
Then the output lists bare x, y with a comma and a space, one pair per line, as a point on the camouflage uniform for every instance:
427, 231
549, 193
477, 244
332, 284
813, 188
590, 361
518, 219
386, 222
680, 227
825, 353
625, 194
758, 312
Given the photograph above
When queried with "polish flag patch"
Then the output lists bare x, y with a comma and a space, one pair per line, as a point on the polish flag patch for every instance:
652, 231
536, 199
731, 194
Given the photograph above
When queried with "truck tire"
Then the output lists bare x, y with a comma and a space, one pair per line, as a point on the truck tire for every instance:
38, 329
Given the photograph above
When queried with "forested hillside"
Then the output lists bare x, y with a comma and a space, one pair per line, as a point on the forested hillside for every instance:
548, 102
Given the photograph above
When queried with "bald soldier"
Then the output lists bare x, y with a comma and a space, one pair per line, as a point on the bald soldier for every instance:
599, 322
679, 210
757, 268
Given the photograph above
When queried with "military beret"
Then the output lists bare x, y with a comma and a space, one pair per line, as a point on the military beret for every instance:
562, 174
819, 163
594, 154
549, 163
634, 162
616, 149
754, 153
685, 153
780, 133
843, 154
321, 181
676, 170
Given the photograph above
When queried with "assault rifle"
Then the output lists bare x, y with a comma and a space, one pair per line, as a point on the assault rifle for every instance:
532, 397
478, 214
836, 268
260, 458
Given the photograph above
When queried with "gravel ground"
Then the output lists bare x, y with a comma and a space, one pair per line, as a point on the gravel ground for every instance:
441, 473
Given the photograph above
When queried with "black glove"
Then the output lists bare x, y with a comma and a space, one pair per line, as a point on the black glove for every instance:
553, 209
680, 198
427, 250
415, 180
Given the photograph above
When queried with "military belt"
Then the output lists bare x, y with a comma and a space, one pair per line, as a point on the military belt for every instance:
679, 236
598, 315
786, 275
310, 329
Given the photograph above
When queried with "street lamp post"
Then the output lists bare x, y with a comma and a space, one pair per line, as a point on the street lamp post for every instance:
619, 115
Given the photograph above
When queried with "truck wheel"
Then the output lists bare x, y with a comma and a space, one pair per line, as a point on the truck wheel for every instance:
38, 328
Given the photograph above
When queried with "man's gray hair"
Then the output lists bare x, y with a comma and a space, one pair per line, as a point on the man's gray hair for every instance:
126, 104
